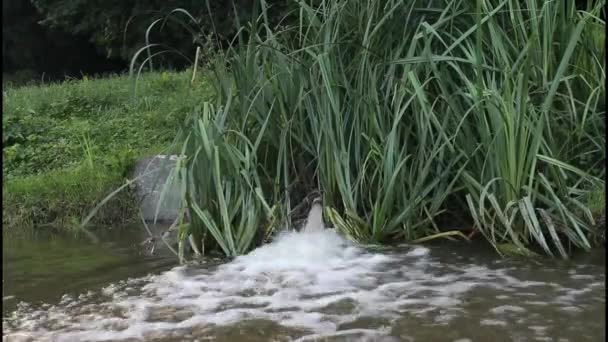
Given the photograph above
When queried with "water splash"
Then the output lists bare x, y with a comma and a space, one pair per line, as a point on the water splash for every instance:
314, 221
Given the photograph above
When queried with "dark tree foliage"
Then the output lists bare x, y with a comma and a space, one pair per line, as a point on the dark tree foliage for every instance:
72, 36
118, 27
32, 50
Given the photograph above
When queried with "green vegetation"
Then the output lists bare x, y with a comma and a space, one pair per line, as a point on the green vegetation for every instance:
66, 146
402, 114
62, 197
396, 109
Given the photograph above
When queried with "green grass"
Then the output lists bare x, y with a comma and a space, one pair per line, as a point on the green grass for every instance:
61, 198
67, 145
47, 127
392, 107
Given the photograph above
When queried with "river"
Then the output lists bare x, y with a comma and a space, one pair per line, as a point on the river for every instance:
309, 286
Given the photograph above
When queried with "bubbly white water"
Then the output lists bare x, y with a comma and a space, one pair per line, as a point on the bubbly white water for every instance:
312, 281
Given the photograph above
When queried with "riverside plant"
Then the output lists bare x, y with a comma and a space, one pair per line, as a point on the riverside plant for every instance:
392, 107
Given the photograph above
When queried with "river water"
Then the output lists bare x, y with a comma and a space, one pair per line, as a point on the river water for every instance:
309, 286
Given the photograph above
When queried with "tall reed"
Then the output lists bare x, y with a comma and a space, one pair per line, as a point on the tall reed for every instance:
390, 107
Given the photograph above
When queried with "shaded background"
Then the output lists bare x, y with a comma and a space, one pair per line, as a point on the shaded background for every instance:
51, 39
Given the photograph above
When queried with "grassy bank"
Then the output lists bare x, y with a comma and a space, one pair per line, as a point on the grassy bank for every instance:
402, 113
66, 146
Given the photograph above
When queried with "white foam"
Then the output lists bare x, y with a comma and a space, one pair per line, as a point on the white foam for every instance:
492, 322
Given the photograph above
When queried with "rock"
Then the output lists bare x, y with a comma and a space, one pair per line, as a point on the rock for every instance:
153, 173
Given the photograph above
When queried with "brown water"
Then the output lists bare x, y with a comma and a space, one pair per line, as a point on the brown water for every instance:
40, 267
306, 287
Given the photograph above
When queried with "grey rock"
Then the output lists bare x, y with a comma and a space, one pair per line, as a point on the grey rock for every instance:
152, 173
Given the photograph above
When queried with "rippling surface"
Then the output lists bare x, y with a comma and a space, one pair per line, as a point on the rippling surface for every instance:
316, 286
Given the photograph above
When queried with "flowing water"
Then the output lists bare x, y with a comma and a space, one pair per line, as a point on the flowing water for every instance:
307, 286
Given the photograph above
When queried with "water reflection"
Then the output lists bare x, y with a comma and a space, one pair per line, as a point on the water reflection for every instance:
42, 266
